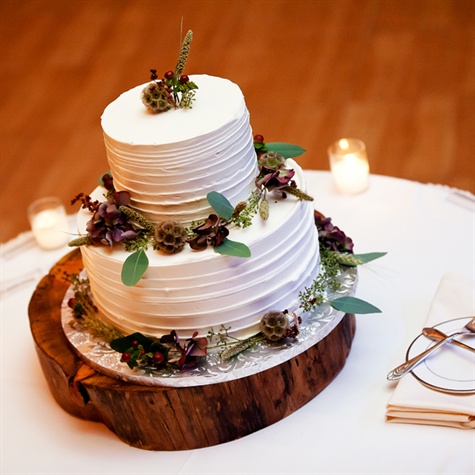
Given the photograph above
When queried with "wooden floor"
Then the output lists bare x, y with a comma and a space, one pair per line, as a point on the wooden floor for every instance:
398, 74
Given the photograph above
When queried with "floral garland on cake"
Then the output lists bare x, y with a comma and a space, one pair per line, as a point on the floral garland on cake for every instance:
168, 351
114, 222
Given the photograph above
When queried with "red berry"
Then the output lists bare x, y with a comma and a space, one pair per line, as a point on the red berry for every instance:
184, 79
71, 303
157, 357
135, 343
126, 356
169, 74
258, 138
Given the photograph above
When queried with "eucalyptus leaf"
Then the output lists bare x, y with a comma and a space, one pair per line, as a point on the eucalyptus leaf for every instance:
134, 267
233, 248
286, 149
370, 256
353, 260
353, 305
224, 209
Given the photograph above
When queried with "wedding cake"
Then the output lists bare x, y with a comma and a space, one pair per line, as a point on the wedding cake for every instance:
167, 165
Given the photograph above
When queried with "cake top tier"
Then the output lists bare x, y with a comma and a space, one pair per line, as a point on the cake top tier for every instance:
170, 161
218, 102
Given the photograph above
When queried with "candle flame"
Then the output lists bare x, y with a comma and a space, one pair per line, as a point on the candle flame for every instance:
344, 144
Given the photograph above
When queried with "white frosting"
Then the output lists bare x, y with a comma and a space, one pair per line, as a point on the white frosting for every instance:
199, 290
170, 161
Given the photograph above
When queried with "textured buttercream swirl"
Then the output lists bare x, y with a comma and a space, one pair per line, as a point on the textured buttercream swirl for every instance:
170, 161
196, 291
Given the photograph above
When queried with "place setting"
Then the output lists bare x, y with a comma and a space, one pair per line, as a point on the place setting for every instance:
436, 383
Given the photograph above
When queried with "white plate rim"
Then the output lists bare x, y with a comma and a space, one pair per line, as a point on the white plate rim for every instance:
428, 377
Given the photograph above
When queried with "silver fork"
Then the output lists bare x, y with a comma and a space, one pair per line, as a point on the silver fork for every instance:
401, 370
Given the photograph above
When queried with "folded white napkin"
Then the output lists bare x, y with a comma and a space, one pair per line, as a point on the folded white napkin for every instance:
414, 403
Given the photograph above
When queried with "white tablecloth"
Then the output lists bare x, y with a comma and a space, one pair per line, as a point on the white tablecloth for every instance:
427, 231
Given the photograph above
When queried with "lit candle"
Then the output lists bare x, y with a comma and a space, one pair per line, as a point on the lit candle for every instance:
48, 222
349, 165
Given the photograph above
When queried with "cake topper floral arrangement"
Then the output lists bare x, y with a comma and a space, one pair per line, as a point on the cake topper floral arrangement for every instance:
174, 90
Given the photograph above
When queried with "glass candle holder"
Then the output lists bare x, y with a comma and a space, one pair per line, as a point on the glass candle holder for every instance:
48, 222
349, 165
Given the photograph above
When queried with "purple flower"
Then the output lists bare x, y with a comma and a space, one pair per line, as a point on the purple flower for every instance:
272, 179
121, 198
120, 235
213, 232
331, 236
108, 211
108, 224
189, 352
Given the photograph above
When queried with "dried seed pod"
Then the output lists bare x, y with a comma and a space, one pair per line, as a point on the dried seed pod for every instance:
241, 206
274, 325
170, 237
264, 209
157, 98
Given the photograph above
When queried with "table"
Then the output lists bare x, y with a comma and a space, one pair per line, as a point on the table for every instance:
427, 230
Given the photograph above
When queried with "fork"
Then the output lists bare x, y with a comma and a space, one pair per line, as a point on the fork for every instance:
401, 370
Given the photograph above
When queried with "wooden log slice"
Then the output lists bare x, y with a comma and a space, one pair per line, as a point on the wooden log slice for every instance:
165, 418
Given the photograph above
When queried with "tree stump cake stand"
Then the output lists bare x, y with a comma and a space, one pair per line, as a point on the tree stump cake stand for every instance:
168, 418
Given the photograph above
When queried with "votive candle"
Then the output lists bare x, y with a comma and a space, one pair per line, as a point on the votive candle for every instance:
349, 165
48, 222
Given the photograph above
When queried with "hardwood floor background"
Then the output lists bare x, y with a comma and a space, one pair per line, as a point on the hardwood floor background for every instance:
398, 74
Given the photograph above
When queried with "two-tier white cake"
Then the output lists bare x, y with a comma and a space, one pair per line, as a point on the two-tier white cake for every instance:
169, 162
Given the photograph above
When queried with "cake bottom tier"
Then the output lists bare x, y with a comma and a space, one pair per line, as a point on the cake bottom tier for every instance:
167, 418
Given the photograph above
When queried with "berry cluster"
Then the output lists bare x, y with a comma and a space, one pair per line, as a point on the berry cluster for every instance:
86, 202
138, 350
137, 353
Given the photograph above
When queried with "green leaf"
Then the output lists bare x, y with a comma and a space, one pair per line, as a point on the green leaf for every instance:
353, 260
224, 209
233, 248
353, 305
370, 256
134, 267
261, 147
286, 149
